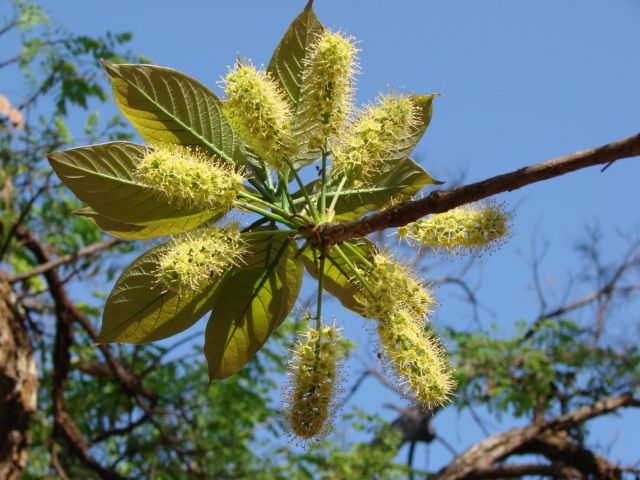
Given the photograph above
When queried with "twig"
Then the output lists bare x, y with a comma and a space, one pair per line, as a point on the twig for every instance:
51, 264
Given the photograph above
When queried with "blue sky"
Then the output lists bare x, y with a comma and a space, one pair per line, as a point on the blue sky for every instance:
522, 82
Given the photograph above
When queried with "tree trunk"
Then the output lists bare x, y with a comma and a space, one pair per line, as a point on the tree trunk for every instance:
18, 389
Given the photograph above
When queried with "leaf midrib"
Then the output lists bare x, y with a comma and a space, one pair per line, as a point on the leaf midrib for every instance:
197, 136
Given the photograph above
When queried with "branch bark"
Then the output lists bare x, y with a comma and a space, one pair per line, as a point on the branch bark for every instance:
51, 264
18, 389
485, 455
440, 201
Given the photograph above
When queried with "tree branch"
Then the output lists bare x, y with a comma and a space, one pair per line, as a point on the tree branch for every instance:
496, 448
51, 264
439, 201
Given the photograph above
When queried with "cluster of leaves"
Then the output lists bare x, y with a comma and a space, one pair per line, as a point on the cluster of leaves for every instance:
260, 131
553, 370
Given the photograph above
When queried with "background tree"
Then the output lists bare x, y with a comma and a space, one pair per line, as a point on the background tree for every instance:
145, 412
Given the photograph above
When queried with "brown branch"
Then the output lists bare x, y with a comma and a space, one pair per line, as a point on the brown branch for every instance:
51, 264
129, 381
496, 448
64, 426
442, 200
518, 470
561, 449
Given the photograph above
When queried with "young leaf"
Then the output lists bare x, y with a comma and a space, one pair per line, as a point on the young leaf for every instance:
167, 106
139, 310
287, 61
102, 176
398, 183
337, 274
135, 231
253, 303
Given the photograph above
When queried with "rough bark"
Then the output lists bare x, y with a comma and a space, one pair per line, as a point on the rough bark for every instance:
18, 389
538, 438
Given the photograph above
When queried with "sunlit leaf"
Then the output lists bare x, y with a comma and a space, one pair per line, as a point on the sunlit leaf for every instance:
103, 177
139, 310
251, 304
399, 183
287, 62
134, 231
167, 106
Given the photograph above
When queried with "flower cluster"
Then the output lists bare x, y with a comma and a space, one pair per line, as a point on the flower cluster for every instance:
415, 354
258, 110
393, 288
374, 136
400, 304
327, 87
471, 228
194, 259
189, 178
313, 381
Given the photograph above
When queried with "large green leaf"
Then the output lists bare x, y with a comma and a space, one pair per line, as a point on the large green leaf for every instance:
253, 302
167, 106
102, 176
134, 231
399, 183
139, 310
337, 275
287, 62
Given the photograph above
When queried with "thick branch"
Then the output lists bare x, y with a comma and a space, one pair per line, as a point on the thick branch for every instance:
442, 200
496, 448
518, 470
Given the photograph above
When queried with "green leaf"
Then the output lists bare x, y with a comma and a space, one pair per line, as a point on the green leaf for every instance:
253, 303
337, 274
399, 183
139, 310
134, 231
287, 62
102, 176
167, 106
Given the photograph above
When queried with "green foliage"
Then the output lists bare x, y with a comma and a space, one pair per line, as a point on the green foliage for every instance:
167, 107
258, 296
538, 374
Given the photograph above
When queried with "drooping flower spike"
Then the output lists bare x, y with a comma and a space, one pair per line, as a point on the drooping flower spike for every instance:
393, 287
414, 353
314, 379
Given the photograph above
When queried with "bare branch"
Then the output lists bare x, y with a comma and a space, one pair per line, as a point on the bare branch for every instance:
51, 264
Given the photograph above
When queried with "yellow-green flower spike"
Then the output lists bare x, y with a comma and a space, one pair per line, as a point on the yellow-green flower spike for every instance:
194, 259
393, 287
378, 132
313, 381
327, 87
472, 228
417, 357
189, 178
259, 111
